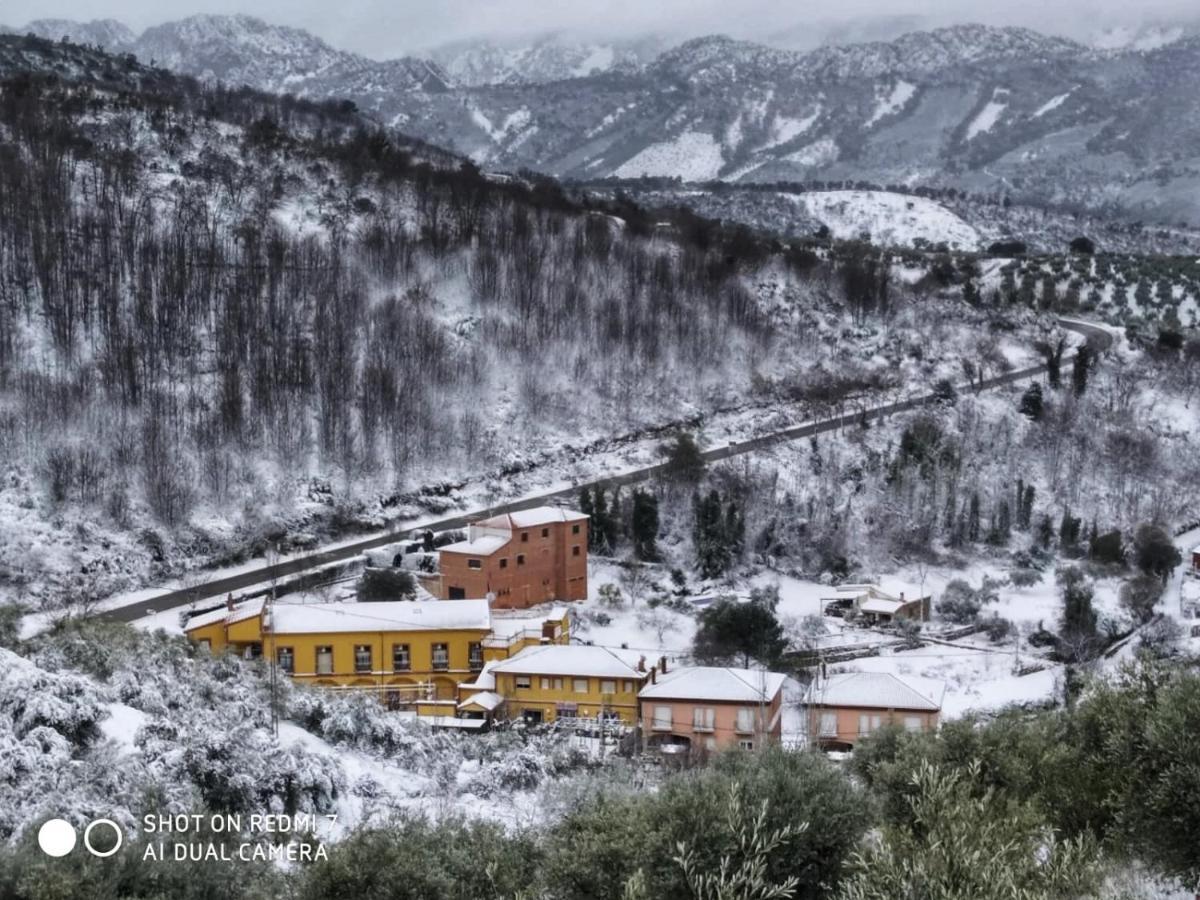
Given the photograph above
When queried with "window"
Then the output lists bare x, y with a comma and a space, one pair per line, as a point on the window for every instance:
523, 682
867, 724
581, 685
662, 718
746, 745
474, 564
524, 537
362, 657
206, 644
745, 720
504, 562
475, 655
545, 532
441, 656
575, 550
574, 529
520, 559
401, 661
608, 687
324, 660
704, 718
628, 687
828, 724
457, 593
913, 723
286, 659
545, 684
555, 684
710, 743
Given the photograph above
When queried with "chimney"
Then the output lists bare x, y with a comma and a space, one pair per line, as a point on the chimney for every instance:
662, 664
653, 676
641, 664
229, 602
902, 596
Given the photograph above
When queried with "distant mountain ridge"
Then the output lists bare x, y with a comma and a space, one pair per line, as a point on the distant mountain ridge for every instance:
985, 109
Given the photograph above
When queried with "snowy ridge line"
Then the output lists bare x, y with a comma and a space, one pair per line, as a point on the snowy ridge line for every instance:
1100, 336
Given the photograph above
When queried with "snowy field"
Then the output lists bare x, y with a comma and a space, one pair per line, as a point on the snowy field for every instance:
895, 220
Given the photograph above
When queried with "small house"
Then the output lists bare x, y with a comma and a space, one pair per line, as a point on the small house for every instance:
712, 708
843, 708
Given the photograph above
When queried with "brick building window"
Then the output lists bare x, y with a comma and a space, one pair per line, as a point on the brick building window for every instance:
520, 559
575, 550
545, 532
474, 564
504, 562
574, 529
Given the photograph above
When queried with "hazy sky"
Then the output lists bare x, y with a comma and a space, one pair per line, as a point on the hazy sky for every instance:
387, 27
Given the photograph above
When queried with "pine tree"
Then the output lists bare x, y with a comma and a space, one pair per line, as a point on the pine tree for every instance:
708, 535
616, 519
1049, 292
1045, 532
1032, 404
973, 519
644, 525
1083, 364
600, 528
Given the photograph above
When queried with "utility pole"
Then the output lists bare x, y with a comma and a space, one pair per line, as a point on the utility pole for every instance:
268, 627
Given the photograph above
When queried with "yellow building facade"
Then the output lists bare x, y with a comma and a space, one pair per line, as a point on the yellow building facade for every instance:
412, 653
551, 682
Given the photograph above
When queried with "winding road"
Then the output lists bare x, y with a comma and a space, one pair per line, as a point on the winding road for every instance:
1098, 338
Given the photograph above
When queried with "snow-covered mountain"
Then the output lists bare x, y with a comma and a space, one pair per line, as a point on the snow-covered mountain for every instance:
978, 108
106, 33
550, 57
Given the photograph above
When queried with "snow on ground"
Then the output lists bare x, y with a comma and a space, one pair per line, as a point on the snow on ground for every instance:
787, 128
122, 724
818, 153
1050, 105
890, 219
988, 116
693, 156
894, 101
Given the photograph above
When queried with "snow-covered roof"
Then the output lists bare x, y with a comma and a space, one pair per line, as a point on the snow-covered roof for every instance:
874, 690
482, 545
880, 606
400, 615
715, 683
487, 700
510, 623
247, 609
484, 681
568, 659
544, 515
886, 590
531, 518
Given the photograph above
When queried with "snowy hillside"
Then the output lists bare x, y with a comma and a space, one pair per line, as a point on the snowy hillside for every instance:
891, 220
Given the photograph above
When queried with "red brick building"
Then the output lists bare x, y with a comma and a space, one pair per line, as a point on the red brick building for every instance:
522, 558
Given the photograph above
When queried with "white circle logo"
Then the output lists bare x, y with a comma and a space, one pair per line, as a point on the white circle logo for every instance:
56, 837
87, 838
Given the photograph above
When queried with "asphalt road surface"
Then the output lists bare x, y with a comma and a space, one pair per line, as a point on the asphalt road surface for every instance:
1097, 337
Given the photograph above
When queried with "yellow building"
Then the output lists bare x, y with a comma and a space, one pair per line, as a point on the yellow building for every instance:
413, 653
554, 681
